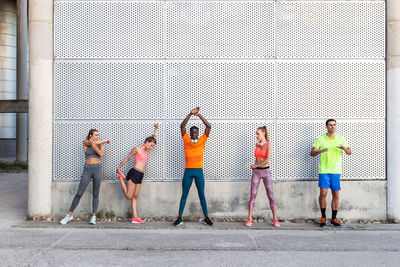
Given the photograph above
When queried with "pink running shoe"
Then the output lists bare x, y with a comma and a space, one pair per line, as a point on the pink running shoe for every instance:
137, 220
249, 222
121, 176
276, 223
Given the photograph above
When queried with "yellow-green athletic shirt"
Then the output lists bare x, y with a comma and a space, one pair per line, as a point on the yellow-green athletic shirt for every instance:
330, 161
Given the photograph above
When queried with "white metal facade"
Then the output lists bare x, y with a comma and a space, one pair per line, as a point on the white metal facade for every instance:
120, 66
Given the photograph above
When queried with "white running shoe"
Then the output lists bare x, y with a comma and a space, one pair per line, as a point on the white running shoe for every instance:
66, 219
93, 220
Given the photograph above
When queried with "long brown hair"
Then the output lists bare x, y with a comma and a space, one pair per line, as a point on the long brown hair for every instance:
91, 132
265, 130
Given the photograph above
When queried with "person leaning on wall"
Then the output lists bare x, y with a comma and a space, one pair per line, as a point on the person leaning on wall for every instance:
93, 148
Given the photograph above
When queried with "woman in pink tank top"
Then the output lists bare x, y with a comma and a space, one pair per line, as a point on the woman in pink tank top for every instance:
135, 175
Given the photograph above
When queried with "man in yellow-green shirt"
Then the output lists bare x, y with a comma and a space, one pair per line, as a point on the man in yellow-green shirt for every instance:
330, 147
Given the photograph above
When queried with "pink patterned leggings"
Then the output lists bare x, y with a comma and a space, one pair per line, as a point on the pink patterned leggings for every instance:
256, 176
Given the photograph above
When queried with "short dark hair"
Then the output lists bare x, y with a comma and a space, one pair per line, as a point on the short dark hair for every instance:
194, 128
328, 120
150, 139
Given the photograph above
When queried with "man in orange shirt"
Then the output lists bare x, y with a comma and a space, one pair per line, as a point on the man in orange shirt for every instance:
194, 150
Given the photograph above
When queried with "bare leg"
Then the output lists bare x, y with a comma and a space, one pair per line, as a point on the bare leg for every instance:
127, 188
274, 213
250, 213
335, 200
322, 197
134, 199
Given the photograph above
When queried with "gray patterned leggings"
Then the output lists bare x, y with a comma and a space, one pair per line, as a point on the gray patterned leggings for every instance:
89, 171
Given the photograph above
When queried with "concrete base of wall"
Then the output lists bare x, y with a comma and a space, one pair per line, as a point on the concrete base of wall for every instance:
295, 200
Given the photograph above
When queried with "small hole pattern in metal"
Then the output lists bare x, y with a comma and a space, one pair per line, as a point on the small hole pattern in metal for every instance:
238, 90
338, 89
108, 29
234, 29
220, 29
346, 29
108, 89
294, 141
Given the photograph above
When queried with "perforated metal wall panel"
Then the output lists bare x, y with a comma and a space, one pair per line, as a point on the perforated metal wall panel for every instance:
294, 141
324, 29
228, 89
123, 65
338, 89
220, 29
69, 158
108, 89
114, 29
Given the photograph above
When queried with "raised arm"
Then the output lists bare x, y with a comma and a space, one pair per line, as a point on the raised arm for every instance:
100, 151
133, 152
185, 121
206, 123
155, 130
98, 142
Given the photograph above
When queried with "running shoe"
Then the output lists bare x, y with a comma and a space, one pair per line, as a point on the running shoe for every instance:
276, 223
322, 222
335, 222
249, 222
137, 220
120, 176
207, 221
93, 220
66, 219
178, 221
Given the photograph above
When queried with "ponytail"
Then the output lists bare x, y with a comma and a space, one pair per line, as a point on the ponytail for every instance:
265, 130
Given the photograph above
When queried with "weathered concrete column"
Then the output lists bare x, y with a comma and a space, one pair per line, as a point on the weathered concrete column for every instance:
393, 108
22, 78
40, 106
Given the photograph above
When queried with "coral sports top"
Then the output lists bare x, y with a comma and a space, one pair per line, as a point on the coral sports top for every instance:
261, 153
141, 157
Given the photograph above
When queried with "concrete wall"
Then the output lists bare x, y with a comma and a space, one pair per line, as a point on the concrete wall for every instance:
360, 199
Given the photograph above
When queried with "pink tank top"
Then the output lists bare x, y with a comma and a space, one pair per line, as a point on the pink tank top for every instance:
142, 156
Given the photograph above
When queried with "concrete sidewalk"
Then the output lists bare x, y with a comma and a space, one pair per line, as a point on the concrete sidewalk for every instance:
285, 226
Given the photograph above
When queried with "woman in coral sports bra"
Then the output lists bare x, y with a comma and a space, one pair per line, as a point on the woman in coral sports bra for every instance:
261, 170
135, 175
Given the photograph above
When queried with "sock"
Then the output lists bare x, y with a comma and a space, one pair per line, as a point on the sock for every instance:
334, 213
323, 212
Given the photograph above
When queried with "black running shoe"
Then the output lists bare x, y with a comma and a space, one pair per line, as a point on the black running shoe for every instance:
335, 222
178, 221
207, 221
322, 222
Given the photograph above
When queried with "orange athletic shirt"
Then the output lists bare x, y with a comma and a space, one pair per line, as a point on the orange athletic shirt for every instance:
194, 151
